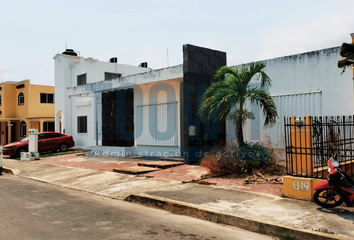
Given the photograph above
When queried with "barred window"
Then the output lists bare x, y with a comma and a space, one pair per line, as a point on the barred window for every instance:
82, 124
81, 79
47, 97
21, 99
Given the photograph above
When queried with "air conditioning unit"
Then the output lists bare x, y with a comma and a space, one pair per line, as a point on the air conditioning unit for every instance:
143, 65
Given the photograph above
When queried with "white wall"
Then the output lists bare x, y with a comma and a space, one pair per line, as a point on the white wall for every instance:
152, 94
171, 76
303, 84
67, 68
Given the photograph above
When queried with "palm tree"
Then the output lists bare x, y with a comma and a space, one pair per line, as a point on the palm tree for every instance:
226, 98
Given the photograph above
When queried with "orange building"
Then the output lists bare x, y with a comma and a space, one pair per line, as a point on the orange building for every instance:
24, 106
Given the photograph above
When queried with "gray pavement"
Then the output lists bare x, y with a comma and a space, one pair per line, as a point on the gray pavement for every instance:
301, 217
35, 210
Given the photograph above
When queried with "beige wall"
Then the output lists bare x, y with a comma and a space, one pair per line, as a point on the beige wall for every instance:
37, 109
32, 111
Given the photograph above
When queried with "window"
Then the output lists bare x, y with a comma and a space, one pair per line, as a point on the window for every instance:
82, 124
23, 129
53, 135
81, 79
47, 97
48, 127
41, 136
109, 76
21, 99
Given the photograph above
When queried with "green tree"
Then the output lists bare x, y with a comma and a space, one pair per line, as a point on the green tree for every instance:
226, 98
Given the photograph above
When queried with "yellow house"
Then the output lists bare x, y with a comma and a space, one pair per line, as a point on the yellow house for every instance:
24, 106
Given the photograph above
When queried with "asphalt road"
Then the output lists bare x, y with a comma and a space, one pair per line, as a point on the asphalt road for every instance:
36, 210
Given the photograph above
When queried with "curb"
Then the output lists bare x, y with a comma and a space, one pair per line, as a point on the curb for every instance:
266, 228
11, 171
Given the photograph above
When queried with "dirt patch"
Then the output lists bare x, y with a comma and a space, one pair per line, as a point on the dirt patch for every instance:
183, 173
179, 173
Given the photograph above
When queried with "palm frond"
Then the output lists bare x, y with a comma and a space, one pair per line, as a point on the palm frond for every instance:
221, 72
269, 109
232, 89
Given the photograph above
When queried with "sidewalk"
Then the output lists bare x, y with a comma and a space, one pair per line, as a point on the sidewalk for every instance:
262, 213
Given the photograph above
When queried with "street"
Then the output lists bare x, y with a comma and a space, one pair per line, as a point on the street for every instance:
36, 210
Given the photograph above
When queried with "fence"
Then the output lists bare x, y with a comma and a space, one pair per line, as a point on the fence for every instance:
311, 141
157, 124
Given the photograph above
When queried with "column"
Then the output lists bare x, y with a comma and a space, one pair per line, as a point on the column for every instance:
41, 128
9, 131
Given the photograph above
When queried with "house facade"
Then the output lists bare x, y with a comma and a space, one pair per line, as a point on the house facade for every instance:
154, 112
79, 115
24, 106
306, 84
143, 112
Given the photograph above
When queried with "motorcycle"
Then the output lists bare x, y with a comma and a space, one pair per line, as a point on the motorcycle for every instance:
337, 189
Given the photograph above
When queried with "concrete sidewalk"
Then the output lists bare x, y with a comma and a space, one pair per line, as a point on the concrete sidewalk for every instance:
261, 213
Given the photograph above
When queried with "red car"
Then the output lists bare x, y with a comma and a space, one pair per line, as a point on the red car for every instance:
47, 142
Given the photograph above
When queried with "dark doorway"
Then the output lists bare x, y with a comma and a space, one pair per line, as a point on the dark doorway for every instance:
118, 118
13, 132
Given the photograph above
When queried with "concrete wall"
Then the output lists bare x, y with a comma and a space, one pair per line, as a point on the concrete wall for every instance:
199, 66
303, 84
8, 100
36, 108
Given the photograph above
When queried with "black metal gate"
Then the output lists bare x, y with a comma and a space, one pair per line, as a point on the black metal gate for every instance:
311, 141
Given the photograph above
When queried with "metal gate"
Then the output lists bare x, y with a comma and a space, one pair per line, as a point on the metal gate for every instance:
157, 124
311, 141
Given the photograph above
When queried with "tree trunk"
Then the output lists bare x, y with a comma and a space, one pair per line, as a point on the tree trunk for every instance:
239, 131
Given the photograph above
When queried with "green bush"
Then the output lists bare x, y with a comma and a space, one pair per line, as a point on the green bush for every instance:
253, 156
240, 160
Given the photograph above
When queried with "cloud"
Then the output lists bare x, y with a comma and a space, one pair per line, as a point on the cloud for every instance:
322, 31
212, 44
154, 58
5, 74
233, 59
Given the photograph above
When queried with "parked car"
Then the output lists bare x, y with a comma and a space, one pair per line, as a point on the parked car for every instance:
47, 142
0, 165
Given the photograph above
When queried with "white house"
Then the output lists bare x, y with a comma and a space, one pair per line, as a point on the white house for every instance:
77, 115
122, 110
306, 84
139, 111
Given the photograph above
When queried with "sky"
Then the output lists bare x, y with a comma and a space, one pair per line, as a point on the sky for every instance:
154, 31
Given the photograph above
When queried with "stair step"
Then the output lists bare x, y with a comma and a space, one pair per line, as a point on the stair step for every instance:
160, 164
172, 159
135, 170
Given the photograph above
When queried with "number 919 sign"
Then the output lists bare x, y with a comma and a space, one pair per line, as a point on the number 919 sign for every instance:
301, 185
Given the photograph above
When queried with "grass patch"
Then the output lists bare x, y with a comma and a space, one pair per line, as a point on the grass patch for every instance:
324, 231
288, 237
45, 155
283, 195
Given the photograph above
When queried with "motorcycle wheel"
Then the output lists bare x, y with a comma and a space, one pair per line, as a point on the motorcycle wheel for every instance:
321, 198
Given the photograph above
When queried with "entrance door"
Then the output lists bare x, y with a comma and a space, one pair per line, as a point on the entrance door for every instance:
13, 132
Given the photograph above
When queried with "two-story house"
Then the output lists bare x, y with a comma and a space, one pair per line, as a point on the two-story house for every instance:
24, 106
